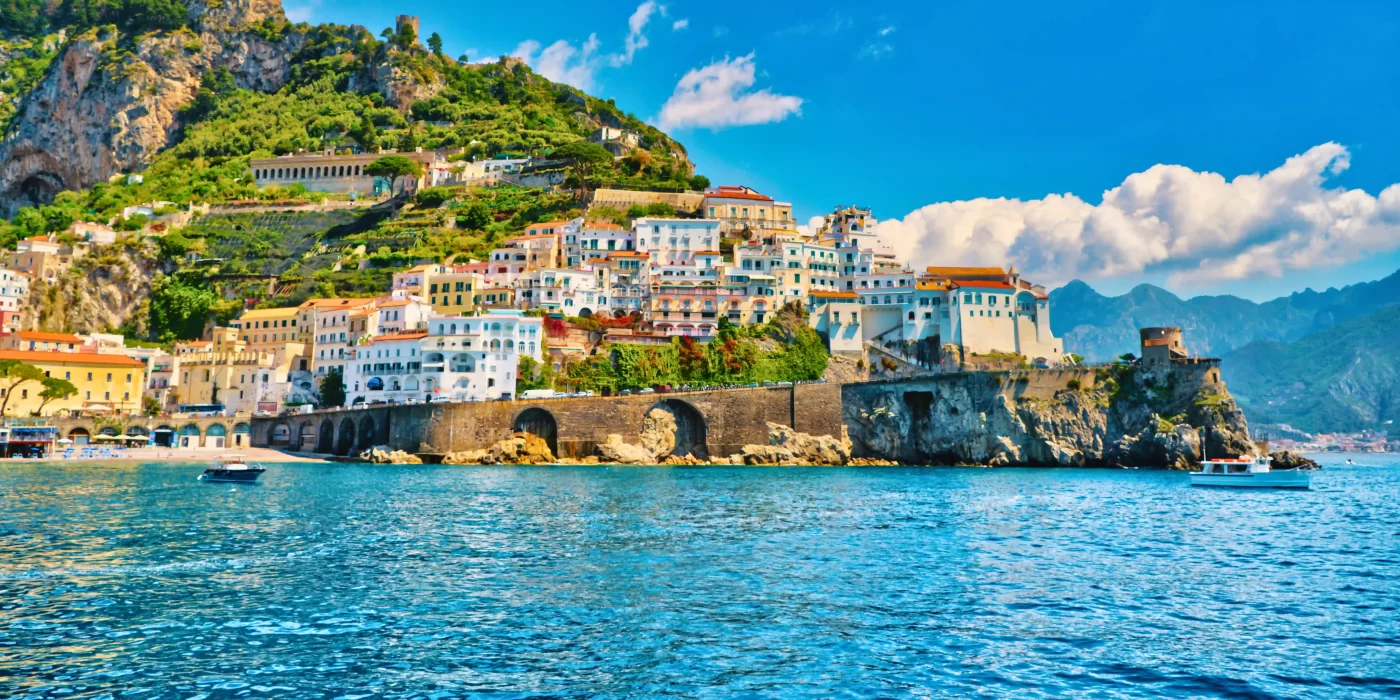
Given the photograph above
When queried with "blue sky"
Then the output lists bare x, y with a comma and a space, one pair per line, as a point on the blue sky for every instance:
924, 103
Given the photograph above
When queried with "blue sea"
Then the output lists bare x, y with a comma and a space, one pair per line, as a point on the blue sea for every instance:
342, 581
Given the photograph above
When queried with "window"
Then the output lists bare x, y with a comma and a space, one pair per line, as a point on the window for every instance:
89, 378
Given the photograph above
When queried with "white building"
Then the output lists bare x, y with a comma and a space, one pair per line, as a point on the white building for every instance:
475, 358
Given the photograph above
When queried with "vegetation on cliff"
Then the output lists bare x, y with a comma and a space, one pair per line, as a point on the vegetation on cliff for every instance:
785, 349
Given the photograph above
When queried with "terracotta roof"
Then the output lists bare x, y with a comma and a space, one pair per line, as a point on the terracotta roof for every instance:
981, 284
834, 295
707, 252
79, 358
626, 254
965, 271
335, 303
50, 337
394, 304
725, 192
38, 239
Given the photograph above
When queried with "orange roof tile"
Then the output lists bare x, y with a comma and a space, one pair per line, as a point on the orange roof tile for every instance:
410, 335
834, 295
81, 358
50, 337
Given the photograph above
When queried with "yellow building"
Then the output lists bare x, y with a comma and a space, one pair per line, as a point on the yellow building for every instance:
238, 375
268, 327
105, 382
450, 293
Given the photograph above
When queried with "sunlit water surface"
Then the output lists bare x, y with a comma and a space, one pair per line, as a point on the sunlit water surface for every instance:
336, 580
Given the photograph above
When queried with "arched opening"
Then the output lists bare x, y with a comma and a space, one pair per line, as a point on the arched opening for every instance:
305, 438
368, 435
325, 437
80, 436
189, 435
107, 430
136, 430
345, 438
216, 436
691, 432
163, 436
242, 435
281, 435
540, 423
585, 312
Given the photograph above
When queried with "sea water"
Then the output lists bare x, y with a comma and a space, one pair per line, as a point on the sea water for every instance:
356, 581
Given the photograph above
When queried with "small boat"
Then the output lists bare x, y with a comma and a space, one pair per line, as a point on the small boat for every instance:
232, 468
1255, 473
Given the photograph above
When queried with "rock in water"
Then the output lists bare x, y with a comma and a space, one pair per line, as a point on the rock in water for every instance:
1284, 459
384, 455
614, 449
659, 432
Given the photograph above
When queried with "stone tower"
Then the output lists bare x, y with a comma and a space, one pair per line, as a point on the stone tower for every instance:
409, 20
1160, 345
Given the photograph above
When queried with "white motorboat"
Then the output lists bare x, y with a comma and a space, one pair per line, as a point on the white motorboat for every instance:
1255, 473
232, 468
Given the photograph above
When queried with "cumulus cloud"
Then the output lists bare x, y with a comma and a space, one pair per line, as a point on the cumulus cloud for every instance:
1195, 227
578, 65
879, 47
680, 24
563, 62
721, 95
813, 225
636, 40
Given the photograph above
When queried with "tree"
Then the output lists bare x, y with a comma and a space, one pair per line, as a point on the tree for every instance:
699, 183
435, 43
150, 406
367, 135
13, 373
394, 168
406, 37
585, 160
333, 389
55, 389
476, 216
408, 140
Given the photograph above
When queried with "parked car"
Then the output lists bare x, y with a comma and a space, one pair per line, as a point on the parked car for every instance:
625, 392
647, 390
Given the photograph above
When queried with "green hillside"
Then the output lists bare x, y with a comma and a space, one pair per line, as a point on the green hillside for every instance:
1344, 379
334, 99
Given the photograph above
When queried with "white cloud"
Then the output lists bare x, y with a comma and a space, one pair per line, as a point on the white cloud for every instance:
879, 47
562, 62
1195, 227
302, 11
636, 40
680, 24
719, 95
813, 225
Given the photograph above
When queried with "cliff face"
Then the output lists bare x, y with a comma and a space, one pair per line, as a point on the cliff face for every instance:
106, 107
1072, 418
100, 292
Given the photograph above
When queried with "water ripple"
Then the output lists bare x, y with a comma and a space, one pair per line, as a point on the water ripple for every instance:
359, 582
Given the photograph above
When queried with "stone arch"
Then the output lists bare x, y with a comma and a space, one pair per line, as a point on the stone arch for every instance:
585, 312
325, 437
692, 433
345, 437
281, 435
540, 423
242, 434
108, 431
136, 430
305, 437
367, 433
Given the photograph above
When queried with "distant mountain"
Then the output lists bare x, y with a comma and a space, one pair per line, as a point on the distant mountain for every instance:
1099, 327
1343, 379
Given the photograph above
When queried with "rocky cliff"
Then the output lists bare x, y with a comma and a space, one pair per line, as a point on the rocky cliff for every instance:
109, 102
102, 291
1109, 417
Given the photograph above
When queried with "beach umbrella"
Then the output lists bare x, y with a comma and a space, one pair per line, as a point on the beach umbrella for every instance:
65, 441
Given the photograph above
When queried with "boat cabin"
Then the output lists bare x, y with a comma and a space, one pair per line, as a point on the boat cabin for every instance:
1226, 467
